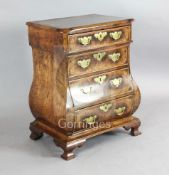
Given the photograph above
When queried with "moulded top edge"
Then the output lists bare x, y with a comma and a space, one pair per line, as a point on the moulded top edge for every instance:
79, 22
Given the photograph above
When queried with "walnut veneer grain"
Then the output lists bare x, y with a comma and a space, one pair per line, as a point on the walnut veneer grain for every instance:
81, 78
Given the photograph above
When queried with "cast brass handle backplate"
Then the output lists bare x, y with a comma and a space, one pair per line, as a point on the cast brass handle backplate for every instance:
116, 82
120, 111
84, 63
116, 35
87, 90
114, 57
90, 120
85, 40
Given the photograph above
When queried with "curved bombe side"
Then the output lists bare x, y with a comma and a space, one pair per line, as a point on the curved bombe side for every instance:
137, 97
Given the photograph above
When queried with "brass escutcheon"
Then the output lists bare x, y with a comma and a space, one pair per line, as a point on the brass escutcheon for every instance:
105, 107
100, 79
100, 36
99, 56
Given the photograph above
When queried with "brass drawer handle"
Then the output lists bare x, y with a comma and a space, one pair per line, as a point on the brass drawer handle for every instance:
90, 120
116, 82
99, 56
114, 57
100, 79
85, 40
105, 107
100, 36
120, 111
86, 90
84, 63
116, 35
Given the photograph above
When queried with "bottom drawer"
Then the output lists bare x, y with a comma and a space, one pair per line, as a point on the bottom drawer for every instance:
104, 112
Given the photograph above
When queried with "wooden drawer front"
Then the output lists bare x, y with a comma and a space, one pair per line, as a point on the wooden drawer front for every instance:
97, 61
91, 40
94, 88
104, 112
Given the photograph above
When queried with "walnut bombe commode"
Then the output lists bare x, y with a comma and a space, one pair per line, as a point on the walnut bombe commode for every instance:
82, 86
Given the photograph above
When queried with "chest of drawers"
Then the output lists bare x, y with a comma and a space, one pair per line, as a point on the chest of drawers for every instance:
82, 86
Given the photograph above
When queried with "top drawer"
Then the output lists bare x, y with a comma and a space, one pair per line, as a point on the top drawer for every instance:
96, 39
